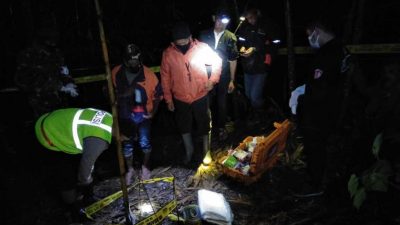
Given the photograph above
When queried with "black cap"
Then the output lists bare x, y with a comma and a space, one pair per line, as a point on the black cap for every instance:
131, 51
180, 31
221, 13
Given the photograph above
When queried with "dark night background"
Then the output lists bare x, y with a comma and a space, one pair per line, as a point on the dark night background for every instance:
147, 24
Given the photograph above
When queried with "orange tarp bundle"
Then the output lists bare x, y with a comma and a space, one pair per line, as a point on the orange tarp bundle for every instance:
264, 156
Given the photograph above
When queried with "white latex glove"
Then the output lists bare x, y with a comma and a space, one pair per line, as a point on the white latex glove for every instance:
70, 88
64, 70
294, 96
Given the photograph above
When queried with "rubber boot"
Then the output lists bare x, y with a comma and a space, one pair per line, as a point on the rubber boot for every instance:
188, 142
206, 144
129, 170
145, 167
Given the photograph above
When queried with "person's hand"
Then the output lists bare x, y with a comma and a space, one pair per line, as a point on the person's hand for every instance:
171, 106
294, 98
148, 115
70, 89
209, 85
123, 137
231, 87
247, 52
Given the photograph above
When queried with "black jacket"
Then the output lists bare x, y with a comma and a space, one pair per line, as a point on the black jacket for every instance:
253, 36
226, 48
325, 88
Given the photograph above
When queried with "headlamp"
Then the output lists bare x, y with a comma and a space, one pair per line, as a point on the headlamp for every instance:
224, 18
276, 41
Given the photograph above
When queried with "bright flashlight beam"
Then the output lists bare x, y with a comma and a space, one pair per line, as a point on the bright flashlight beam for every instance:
241, 39
146, 208
277, 41
225, 20
207, 158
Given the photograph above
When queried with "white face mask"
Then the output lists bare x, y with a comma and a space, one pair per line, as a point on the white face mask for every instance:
313, 40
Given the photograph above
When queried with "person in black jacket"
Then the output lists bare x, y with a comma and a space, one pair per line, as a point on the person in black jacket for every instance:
224, 43
321, 106
255, 59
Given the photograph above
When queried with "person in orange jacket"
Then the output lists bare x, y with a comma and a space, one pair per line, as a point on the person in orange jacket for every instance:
189, 70
138, 93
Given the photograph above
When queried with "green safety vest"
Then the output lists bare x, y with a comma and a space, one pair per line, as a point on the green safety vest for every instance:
64, 129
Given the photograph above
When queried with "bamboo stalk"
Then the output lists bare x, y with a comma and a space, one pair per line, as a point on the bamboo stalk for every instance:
117, 135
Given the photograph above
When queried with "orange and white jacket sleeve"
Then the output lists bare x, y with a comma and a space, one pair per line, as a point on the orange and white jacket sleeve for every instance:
166, 81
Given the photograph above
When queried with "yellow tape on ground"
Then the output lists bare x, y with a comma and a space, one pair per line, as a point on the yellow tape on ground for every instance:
160, 215
97, 206
166, 179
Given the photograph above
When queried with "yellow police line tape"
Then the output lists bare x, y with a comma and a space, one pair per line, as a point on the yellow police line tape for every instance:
153, 219
355, 49
101, 77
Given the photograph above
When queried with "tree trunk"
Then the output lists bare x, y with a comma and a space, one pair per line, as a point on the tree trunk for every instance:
353, 29
290, 50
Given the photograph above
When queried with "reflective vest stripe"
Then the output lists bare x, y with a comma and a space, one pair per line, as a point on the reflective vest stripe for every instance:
102, 126
77, 122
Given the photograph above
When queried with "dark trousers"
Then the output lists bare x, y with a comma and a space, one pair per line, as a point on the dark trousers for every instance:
315, 150
192, 116
218, 102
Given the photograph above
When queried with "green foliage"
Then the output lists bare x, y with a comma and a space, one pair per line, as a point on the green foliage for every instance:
357, 191
294, 160
373, 179
353, 185
359, 198
376, 179
376, 147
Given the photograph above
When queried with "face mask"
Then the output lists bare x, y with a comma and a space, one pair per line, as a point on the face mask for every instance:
183, 48
133, 69
313, 40
133, 65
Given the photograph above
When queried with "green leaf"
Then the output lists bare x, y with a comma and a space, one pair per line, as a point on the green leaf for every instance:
376, 147
376, 182
359, 198
383, 167
352, 185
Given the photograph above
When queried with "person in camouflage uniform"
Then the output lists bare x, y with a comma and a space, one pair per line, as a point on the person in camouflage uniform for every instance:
41, 73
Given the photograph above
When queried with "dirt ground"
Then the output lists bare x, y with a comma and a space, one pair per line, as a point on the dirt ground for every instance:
28, 197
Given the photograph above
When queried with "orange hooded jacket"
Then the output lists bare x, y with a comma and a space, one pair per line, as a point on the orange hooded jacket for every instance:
184, 76
149, 82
